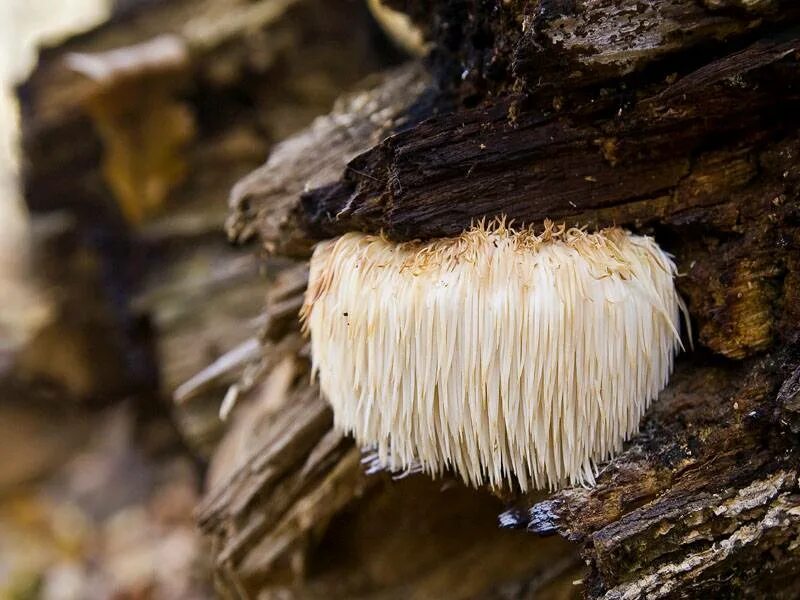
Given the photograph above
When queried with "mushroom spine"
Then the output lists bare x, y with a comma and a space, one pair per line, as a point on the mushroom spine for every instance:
501, 354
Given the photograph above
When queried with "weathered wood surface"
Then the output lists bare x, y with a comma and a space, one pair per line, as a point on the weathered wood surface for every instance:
490, 48
620, 158
704, 501
677, 119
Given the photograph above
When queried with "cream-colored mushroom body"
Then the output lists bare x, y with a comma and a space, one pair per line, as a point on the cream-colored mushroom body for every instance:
503, 355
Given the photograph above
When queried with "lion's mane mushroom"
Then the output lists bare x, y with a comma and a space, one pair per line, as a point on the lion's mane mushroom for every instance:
504, 355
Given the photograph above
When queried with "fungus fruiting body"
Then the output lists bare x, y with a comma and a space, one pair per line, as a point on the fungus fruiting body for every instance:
500, 354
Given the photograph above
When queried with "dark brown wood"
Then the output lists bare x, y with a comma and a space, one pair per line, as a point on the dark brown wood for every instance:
599, 158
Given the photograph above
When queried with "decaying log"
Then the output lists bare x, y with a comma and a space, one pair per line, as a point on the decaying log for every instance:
677, 119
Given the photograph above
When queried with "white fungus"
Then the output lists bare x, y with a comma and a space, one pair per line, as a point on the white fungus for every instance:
503, 355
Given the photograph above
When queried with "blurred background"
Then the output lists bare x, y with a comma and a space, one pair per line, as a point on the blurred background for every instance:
23, 25
85, 510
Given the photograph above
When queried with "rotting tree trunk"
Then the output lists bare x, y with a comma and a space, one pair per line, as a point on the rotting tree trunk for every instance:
676, 119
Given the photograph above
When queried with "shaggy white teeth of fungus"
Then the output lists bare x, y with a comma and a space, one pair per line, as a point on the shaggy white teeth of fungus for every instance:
500, 354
